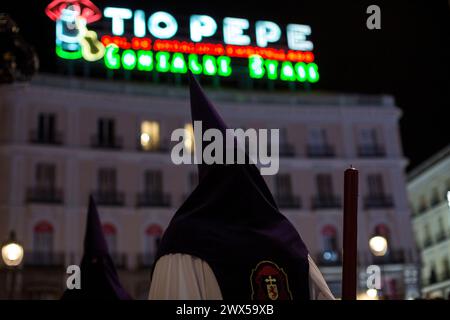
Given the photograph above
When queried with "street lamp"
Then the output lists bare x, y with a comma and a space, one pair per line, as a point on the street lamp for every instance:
12, 255
378, 245
12, 251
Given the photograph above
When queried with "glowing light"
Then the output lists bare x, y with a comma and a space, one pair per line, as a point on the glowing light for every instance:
267, 31
224, 69
233, 31
256, 67
162, 25
313, 73
194, 65
112, 58
300, 68
117, 15
129, 59
145, 60
150, 135
178, 64
84, 8
287, 71
378, 245
296, 37
372, 293
69, 55
271, 68
202, 26
209, 65
12, 254
91, 48
139, 23
162, 61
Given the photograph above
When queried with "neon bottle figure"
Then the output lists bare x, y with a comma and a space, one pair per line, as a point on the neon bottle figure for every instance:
67, 41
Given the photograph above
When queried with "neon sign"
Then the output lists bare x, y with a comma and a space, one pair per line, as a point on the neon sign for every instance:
150, 41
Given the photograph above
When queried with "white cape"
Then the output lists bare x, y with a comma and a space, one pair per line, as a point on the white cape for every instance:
184, 277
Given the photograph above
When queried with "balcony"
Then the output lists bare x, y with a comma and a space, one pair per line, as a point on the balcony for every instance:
153, 199
371, 151
326, 202
428, 242
391, 257
441, 236
320, 151
119, 260
380, 201
288, 201
162, 147
109, 198
51, 139
329, 259
44, 259
145, 260
44, 195
284, 150
106, 143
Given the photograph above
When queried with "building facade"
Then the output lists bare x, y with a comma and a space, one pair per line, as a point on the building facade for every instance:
62, 139
429, 194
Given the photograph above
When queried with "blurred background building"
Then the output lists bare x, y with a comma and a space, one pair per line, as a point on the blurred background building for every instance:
65, 138
429, 194
100, 124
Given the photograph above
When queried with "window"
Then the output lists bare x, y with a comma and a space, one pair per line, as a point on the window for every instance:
110, 233
43, 237
106, 131
45, 176
153, 183
382, 230
317, 137
107, 180
150, 139
368, 137
330, 245
153, 235
435, 197
189, 140
324, 185
46, 127
375, 185
283, 185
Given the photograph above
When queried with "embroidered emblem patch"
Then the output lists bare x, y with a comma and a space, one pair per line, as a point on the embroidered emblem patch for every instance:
269, 282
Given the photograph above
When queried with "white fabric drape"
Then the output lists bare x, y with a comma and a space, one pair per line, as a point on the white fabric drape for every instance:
184, 277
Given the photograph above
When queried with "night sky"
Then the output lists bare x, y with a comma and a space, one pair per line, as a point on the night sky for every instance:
409, 57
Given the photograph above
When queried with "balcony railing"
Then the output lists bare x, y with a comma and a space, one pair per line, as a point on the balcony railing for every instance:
109, 198
371, 151
329, 258
160, 147
106, 143
148, 199
391, 257
378, 201
428, 242
119, 260
44, 259
288, 201
39, 138
326, 202
320, 151
44, 195
441, 236
145, 260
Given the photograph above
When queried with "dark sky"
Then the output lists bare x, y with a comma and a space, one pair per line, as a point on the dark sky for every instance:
409, 57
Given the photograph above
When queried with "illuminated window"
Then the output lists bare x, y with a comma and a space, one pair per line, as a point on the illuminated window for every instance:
149, 138
189, 142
